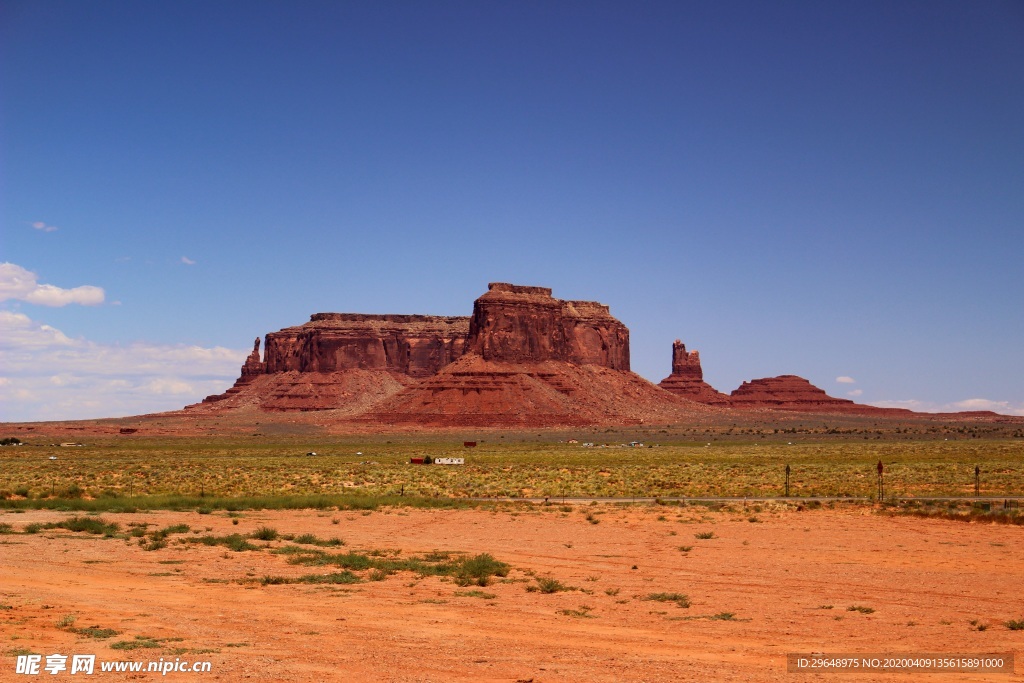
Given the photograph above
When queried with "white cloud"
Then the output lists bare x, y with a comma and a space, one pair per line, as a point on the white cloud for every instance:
21, 284
187, 261
855, 392
1001, 407
846, 380
50, 376
39, 225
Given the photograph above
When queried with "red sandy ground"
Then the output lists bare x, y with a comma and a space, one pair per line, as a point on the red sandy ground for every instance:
926, 580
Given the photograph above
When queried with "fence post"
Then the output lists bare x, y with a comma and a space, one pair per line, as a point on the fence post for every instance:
881, 482
977, 480
787, 481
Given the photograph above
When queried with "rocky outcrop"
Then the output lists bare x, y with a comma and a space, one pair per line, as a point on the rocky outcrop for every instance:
522, 358
481, 393
342, 360
687, 378
253, 366
533, 360
517, 324
788, 392
413, 345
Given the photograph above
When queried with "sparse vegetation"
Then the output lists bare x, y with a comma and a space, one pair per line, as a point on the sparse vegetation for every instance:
582, 612
264, 533
164, 474
861, 609
140, 642
1015, 624
678, 598
704, 535
96, 632
547, 584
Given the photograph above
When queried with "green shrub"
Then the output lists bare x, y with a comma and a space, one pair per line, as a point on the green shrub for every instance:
547, 584
264, 533
336, 577
678, 598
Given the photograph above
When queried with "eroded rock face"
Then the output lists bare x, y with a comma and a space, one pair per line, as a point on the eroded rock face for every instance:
787, 392
687, 378
517, 324
414, 345
253, 365
526, 344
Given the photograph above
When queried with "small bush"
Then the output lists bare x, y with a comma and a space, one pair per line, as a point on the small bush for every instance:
235, 542
337, 577
1015, 624
167, 531
66, 621
704, 535
73, 491
582, 613
678, 598
6, 528
96, 632
274, 580
861, 609
92, 525
547, 584
265, 533
139, 643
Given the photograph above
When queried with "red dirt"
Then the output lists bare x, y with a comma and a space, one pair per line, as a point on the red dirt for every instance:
927, 580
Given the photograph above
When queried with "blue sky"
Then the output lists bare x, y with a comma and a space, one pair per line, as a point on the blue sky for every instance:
824, 189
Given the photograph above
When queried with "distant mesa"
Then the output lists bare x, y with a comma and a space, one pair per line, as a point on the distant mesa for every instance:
523, 358
788, 392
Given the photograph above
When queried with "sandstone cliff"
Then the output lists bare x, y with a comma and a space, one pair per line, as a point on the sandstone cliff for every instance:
522, 358
516, 324
414, 345
533, 360
344, 361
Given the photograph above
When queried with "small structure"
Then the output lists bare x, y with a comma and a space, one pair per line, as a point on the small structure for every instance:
416, 461
469, 444
310, 454
449, 461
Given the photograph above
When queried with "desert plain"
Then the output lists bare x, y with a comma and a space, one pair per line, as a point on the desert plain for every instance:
271, 564
645, 593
